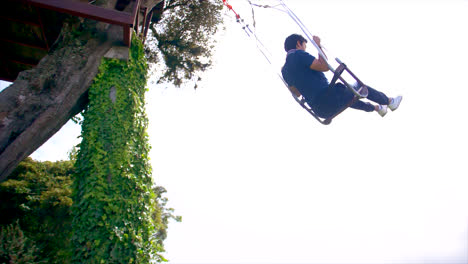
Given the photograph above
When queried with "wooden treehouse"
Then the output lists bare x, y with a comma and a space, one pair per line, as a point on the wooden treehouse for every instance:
30, 27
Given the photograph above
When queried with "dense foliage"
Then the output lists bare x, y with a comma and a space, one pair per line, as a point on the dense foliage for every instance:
184, 38
35, 210
114, 200
15, 247
35, 222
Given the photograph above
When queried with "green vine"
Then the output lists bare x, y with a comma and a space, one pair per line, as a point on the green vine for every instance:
114, 200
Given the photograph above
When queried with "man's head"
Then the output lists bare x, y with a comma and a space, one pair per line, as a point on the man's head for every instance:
293, 41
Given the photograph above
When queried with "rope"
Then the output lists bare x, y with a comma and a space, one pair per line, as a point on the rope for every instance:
305, 31
260, 46
269, 6
225, 2
246, 27
253, 14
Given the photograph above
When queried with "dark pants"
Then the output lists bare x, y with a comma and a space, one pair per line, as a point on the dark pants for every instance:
332, 101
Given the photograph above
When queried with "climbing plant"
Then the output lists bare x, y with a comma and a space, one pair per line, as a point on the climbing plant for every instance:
114, 199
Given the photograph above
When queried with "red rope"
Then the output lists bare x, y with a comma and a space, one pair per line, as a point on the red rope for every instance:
230, 8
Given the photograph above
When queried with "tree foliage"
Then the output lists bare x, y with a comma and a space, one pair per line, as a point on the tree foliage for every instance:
184, 38
15, 247
38, 197
35, 226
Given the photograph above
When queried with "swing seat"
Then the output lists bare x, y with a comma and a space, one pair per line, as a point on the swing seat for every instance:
360, 91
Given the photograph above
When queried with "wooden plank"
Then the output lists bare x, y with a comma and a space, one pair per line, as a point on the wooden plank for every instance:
20, 21
128, 29
86, 10
7, 79
127, 38
135, 11
148, 20
23, 63
23, 44
42, 27
145, 15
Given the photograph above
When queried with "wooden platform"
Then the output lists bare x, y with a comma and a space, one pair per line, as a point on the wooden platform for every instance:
30, 27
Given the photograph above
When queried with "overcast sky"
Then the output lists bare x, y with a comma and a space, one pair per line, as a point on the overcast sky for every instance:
258, 180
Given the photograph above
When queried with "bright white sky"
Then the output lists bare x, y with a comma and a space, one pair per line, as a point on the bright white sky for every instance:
258, 180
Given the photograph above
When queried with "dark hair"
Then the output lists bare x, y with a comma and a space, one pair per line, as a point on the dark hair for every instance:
291, 41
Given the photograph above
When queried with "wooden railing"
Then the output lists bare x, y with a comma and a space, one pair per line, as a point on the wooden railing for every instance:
111, 16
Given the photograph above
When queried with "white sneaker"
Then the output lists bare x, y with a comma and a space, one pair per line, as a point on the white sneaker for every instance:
395, 102
382, 110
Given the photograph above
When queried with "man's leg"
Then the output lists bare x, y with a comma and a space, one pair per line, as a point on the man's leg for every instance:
383, 100
374, 96
364, 106
333, 101
378, 97
345, 96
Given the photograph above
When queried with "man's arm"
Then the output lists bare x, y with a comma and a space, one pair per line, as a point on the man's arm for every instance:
320, 64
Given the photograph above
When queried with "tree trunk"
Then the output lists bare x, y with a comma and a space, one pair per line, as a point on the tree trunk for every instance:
43, 99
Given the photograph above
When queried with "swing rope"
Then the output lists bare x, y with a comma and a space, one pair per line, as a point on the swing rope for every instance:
361, 93
250, 33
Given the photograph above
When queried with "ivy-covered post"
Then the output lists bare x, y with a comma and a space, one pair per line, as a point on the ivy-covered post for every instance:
113, 198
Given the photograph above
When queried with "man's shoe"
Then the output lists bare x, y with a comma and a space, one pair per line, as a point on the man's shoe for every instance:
395, 102
382, 110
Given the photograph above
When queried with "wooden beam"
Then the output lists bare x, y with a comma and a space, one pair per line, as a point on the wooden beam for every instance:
23, 44
145, 15
127, 35
6, 79
127, 30
127, 20
135, 11
23, 63
42, 28
147, 23
20, 21
86, 10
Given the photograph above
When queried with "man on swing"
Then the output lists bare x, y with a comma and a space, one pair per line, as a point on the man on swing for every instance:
304, 72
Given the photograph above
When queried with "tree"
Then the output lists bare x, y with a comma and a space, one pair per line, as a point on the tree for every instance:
116, 215
15, 247
36, 216
37, 197
186, 47
43, 99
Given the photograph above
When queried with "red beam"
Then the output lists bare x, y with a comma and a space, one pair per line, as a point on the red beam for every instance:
127, 36
106, 15
148, 20
23, 63
42, 28
6, 79
20, 21
86, 10
145, 16
135, 11
24, 44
